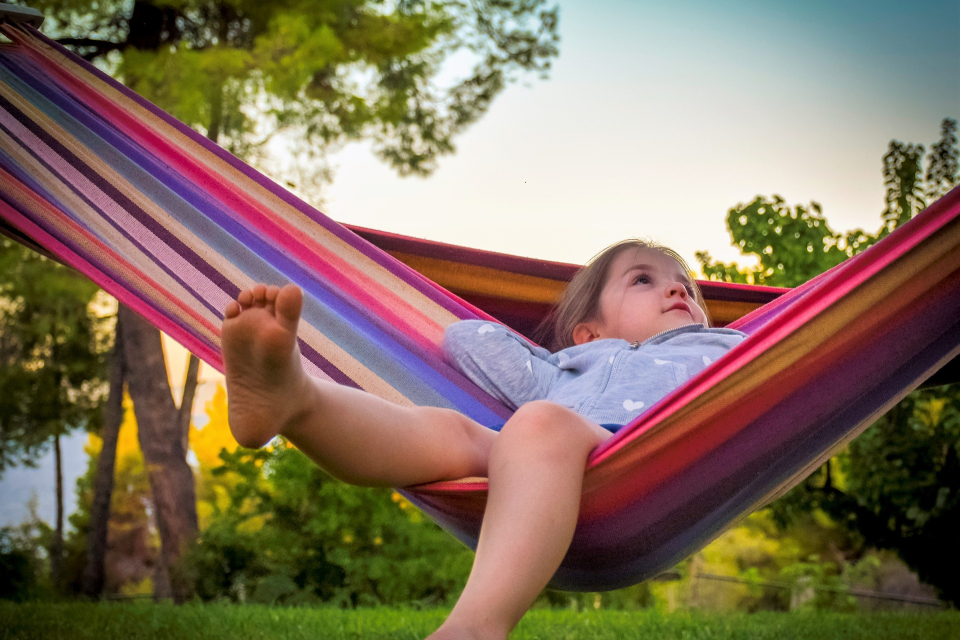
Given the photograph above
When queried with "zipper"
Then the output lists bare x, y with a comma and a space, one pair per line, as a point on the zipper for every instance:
636, 344
615, 364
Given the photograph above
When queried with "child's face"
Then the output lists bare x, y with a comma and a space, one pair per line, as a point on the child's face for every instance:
646, 293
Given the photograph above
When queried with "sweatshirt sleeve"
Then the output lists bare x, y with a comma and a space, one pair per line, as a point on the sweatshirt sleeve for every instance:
499, 361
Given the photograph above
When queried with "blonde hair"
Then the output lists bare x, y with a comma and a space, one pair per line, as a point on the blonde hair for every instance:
580, 301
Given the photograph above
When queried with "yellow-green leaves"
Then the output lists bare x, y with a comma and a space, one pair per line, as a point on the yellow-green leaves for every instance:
292, 52
185, 82
322, 72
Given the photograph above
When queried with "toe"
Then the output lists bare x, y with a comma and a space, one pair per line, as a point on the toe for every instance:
272, 292
245, 298
232, 310
289, 303
260, 295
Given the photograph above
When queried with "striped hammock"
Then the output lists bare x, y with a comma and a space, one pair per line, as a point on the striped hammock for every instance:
175, 227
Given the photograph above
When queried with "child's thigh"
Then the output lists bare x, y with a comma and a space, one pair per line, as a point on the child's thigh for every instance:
444, 439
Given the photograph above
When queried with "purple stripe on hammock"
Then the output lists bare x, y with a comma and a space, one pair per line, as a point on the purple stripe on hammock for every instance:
161, 232
399, 269
58, 233
118, 198
325, 365
133, 241
432, 392
100, 276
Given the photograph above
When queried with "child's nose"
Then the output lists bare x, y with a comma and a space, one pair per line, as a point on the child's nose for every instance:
677, 289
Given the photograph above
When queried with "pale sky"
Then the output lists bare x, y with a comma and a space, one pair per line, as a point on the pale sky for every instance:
657, 118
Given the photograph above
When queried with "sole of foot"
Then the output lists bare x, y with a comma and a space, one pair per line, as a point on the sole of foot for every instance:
265, 380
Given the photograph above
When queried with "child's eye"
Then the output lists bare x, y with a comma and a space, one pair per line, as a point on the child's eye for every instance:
642, 279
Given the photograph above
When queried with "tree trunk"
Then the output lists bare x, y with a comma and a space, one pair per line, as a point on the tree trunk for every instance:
56, 548
97, 536
158, 422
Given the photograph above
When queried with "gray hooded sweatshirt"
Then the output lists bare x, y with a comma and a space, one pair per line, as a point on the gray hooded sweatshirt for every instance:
609, 382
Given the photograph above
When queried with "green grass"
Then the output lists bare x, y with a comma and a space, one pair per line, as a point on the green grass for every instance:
251, 622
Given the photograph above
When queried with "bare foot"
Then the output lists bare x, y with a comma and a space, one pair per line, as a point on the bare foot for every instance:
266, 385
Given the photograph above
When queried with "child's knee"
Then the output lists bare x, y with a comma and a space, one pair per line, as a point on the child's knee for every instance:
538, 415
546, 425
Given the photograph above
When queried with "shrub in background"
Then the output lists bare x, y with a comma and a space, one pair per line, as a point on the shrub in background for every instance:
288, 533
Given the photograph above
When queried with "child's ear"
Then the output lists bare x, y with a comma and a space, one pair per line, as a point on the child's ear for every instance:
584, 332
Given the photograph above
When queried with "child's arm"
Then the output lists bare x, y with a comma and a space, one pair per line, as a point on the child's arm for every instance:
499, 361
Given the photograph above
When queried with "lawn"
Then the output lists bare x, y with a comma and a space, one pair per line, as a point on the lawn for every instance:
235, 622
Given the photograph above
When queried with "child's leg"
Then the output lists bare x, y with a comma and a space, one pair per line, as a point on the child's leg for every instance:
353, 435
536, 475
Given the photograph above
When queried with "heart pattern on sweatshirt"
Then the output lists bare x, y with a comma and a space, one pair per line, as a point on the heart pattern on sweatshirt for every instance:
485, 328
630, 405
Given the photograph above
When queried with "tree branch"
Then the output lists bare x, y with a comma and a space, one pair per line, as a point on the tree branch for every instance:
186, 404
102, 47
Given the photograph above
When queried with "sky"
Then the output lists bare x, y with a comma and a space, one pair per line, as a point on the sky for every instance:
656, 119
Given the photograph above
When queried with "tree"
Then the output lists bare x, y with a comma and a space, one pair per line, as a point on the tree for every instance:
133, 548
898, 485
52, 346
325, 71
163, 442
97, 525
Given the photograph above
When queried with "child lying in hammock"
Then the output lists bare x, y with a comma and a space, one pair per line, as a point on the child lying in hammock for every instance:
630, 329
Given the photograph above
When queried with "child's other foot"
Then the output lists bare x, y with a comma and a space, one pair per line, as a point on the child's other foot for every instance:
266, 385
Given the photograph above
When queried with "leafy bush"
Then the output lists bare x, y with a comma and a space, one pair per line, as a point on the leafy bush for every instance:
23, 563
290, 534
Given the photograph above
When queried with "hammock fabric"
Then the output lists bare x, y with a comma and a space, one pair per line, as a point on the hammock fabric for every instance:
520, 292
174, 227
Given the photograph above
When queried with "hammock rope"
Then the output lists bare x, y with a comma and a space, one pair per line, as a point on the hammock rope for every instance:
174, 227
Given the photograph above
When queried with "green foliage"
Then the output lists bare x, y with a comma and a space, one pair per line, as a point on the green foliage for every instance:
23, 561
897, 485
901, 173
325, 72
823, 580
792, 245
907, 464
290, 534
52, 349
944, 162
